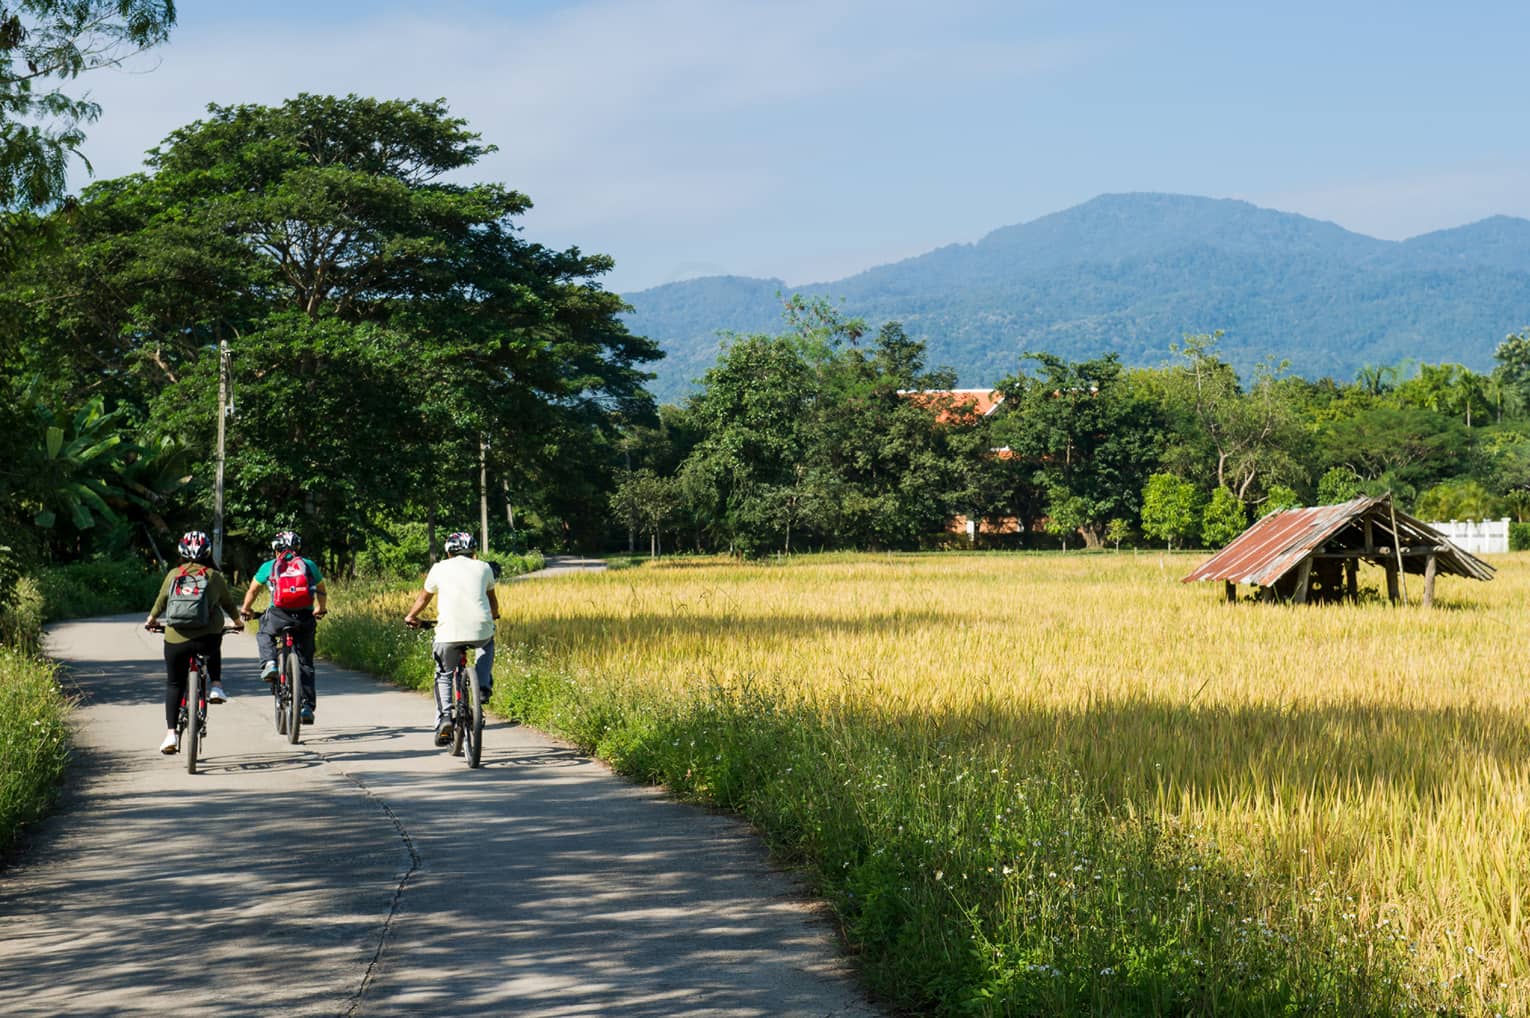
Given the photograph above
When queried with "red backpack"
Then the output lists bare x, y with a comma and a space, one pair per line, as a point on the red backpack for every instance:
291, 586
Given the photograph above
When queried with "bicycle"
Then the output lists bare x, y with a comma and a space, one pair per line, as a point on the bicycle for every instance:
191, 722
287, 685
466, 707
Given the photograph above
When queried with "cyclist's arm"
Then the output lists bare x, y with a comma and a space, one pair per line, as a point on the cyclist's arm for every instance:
226, 602
493, 604
159, 602
420, 601
250, 593
321, 598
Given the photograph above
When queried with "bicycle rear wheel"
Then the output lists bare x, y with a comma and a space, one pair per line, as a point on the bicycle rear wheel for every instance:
196, 701
459, 709
473, 729
294, 695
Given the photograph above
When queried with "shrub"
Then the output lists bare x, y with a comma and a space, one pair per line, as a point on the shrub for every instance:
510, 564
34, 741
1223, 519
101, 587
1170, 508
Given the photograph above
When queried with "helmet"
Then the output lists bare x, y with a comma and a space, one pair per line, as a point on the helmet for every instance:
287, 540
194, 546
460, 543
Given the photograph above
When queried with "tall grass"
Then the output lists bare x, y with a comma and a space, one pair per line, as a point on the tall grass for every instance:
34, 736
1071, 784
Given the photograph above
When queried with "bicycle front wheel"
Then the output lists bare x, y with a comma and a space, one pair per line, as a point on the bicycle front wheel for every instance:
294, 695
473, 729
196, 704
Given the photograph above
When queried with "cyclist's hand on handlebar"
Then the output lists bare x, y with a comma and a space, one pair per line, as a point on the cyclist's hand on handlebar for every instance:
321, 613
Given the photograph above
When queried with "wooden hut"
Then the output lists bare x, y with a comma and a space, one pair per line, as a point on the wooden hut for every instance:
1313, 554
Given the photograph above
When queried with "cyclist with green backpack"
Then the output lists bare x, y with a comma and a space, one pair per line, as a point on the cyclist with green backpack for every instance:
186, 603
297, 587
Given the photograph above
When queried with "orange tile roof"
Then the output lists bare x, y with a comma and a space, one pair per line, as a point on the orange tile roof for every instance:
957, 402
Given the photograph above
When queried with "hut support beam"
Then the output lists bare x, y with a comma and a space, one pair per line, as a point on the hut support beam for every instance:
1429, 571
1391, 569
1352, 579
1232, 592
1303, 579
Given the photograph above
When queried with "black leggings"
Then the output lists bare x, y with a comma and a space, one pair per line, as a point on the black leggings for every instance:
178, 664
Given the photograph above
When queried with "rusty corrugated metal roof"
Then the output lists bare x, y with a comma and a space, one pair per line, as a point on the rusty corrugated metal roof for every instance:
1280, 541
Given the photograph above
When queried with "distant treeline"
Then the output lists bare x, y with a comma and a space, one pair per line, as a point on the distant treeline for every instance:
826, 437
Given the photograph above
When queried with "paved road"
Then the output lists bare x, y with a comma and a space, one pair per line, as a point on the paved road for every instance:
367, 873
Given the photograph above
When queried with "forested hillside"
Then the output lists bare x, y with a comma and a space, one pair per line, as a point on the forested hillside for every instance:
1130, 274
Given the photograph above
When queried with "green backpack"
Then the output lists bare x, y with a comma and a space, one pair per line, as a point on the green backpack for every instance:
187, 604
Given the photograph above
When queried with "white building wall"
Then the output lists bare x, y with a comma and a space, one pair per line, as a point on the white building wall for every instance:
1477, 537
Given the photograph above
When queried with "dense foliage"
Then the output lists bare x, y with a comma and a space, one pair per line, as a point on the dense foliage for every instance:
817, 438
393, 343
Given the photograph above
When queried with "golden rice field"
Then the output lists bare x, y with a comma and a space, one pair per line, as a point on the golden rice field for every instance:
1382, 752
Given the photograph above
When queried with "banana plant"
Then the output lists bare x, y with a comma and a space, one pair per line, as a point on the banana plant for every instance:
82, 465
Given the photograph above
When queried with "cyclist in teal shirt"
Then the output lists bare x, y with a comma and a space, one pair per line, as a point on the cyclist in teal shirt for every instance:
298, 598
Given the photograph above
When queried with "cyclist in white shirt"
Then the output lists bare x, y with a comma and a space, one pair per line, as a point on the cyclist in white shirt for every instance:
465, 614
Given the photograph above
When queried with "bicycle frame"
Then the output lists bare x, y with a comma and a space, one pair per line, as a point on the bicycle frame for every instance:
465, 708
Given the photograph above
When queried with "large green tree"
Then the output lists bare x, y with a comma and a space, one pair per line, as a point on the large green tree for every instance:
44, 43
1091, 437
387, 326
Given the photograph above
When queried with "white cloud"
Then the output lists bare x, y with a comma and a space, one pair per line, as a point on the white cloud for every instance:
637, 128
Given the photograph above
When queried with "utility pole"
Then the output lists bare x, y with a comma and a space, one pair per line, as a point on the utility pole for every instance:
223, 412
483, 493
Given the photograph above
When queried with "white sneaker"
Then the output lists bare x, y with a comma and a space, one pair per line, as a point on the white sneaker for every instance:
268, 670
215, 694
171, 744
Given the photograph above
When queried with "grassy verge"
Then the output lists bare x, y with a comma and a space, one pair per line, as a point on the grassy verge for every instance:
966, 884
34, 734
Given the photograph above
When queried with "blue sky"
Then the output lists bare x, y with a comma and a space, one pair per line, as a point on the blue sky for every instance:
810, 140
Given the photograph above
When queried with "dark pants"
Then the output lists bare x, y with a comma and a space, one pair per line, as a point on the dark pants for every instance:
300, 619
178, 667
447, 655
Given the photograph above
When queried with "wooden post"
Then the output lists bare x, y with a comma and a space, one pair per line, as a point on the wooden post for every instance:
1303, 578
1398, 549
483, 495
1352, 579
1429, 570
1232, 592
1391, 569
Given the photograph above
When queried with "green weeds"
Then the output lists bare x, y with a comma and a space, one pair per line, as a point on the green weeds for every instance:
34, 734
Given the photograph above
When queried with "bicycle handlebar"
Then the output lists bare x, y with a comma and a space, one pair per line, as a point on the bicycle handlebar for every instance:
421, 624
159, 627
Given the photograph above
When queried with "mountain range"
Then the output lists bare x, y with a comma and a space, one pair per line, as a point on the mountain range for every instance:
1133, 273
